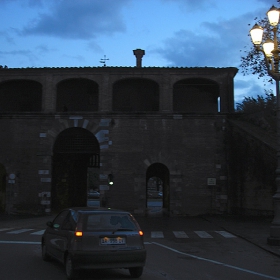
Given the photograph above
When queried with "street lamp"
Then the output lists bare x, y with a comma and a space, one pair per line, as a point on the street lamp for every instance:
271, 53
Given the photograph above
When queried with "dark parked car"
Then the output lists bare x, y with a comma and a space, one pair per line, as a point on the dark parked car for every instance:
87, 238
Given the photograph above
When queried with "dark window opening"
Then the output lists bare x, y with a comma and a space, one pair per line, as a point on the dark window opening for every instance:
135, 95
20, 96
77, 95
196, 95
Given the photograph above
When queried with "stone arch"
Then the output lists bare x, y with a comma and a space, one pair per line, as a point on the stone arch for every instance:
196, 95
135, 94
75, 151
160, 173
20, 96
77, 94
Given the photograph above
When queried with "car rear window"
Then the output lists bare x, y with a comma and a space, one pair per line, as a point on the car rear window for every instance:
99, 222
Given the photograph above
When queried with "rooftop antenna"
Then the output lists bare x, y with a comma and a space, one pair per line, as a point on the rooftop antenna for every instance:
103, 60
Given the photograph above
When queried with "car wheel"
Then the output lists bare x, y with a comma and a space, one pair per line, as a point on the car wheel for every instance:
45, 255
70, 271
135, 272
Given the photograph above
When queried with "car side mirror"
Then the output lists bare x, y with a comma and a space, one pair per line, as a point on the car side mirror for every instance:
50, 224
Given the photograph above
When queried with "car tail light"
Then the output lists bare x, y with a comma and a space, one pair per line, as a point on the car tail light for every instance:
79, 233
141, 233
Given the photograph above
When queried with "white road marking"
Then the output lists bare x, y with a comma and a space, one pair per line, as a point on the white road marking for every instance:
216, 262
20, 231
40, 232
180, 234
226, 234
157, 234
5, 229
154, 234
203, 234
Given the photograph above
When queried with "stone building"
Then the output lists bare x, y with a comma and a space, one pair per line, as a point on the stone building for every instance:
65, 131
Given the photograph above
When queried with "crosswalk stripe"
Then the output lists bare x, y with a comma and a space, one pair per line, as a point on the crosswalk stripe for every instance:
226, 234
157, 234
40, 232
20, 231
154, 234
203, 234
180, 234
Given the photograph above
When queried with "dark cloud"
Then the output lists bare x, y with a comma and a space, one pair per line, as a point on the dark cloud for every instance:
31, 3
22, 55
7, 37
241, 84
256, 89
83, 19
250, 88
216, 44
268, 2
191, 5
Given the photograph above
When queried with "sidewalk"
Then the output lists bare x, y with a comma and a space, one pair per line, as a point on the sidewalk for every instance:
23, 220
255, 230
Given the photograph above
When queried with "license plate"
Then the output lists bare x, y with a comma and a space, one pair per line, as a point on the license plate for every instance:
112, 240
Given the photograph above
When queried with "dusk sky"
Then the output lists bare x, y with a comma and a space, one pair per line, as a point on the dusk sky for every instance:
173, 33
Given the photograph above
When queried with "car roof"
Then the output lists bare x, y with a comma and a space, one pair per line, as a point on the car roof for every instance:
97, 210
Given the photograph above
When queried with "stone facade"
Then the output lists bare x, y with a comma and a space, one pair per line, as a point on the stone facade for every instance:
60, 126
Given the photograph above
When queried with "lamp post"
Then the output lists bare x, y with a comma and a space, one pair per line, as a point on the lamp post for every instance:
271, 53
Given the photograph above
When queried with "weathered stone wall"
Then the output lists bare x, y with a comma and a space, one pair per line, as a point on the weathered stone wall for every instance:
189, 145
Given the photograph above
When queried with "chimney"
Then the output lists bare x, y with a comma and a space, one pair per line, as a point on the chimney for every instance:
139, 54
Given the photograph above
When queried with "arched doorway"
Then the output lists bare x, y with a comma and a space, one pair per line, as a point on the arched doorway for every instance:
157, 189
75, 157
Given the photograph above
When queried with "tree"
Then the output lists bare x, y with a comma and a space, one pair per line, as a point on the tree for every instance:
260, 111
260, 104
253, 62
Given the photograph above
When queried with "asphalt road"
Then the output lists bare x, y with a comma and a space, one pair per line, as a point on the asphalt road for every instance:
202, 251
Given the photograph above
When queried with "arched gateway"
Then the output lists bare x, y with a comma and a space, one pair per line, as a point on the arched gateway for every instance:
157, 188
75, 152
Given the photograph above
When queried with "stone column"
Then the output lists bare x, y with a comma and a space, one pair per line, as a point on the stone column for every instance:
139, 54
105, 94
48, 95
166, 94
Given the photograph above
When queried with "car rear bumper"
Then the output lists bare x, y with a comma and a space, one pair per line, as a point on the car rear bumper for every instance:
108, 259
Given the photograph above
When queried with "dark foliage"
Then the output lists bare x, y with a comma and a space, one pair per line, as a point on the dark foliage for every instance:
252, 62
260, 111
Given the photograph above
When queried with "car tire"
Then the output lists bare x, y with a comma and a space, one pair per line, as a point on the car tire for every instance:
135, 272
45, 256
71, 273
